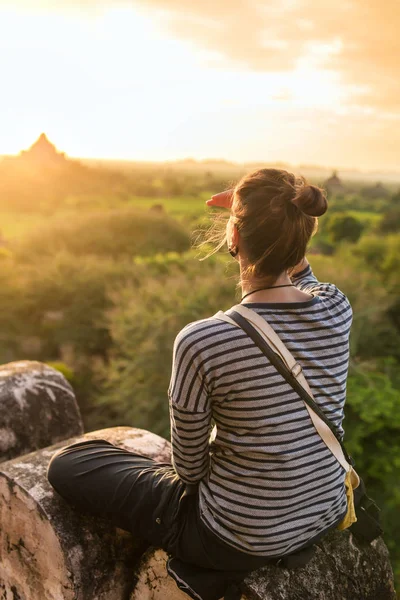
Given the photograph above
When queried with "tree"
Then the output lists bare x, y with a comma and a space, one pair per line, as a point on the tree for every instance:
345, 227
396, 197
390, 221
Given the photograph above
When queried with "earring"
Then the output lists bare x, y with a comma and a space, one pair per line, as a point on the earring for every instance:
233, 251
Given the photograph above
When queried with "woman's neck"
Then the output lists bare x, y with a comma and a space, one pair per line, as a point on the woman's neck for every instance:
289, 293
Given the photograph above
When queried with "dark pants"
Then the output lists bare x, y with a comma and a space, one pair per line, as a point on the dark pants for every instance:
144, 497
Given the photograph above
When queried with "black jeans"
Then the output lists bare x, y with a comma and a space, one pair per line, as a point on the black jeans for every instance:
144, 497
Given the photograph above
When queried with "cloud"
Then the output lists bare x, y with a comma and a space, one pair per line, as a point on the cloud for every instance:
357, 39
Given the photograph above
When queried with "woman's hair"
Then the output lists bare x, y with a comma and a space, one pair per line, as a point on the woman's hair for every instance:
276, 215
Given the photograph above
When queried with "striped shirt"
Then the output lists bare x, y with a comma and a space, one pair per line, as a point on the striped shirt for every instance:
267, 482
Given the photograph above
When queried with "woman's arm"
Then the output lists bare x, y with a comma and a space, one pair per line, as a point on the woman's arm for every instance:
190, 434
190, 409
303, 264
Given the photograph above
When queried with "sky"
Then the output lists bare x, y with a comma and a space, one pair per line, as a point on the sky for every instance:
299, 81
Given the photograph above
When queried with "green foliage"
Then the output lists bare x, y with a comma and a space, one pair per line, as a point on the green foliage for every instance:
321, 245
390, 221
382, 253
110, 233
61, 302
356, 203
345, 227
373, 411
64, 369
372, 427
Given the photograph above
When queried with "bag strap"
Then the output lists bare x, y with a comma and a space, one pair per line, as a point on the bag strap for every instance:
272, 346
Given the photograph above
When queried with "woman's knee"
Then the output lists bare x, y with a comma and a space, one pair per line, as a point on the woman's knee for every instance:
58, 469
63, 465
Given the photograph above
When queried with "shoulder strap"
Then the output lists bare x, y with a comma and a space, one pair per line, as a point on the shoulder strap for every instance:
272, 346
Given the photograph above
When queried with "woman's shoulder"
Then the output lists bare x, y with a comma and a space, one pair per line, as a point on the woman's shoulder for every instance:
200, 326
198, 331
329, 293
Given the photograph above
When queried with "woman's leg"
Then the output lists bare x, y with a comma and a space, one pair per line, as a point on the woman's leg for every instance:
134, 492
144, 497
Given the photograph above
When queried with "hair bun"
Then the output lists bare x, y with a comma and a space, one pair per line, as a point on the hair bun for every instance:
311, 200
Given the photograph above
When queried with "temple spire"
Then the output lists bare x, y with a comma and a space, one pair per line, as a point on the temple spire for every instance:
43, 151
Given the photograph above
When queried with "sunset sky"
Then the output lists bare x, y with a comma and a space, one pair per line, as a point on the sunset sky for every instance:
301, 81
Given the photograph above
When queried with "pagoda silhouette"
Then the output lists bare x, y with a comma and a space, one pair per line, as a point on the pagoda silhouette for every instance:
334, 184
43, 151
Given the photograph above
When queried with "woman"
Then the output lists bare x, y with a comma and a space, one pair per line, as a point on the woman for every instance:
267, 485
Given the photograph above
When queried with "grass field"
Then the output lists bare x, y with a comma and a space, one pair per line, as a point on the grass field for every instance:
177, 207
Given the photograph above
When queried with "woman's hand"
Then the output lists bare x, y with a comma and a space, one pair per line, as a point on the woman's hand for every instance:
223, 199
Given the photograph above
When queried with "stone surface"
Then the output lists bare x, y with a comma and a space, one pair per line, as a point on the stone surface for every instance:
37, 408
341, 569
48, 551
153, 581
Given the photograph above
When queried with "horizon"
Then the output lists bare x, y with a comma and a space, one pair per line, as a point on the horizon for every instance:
159, 81
217, 161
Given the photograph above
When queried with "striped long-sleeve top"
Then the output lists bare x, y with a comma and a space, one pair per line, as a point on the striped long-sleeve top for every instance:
267, 483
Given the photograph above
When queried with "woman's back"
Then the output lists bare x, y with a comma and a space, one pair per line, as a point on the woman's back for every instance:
268, 482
